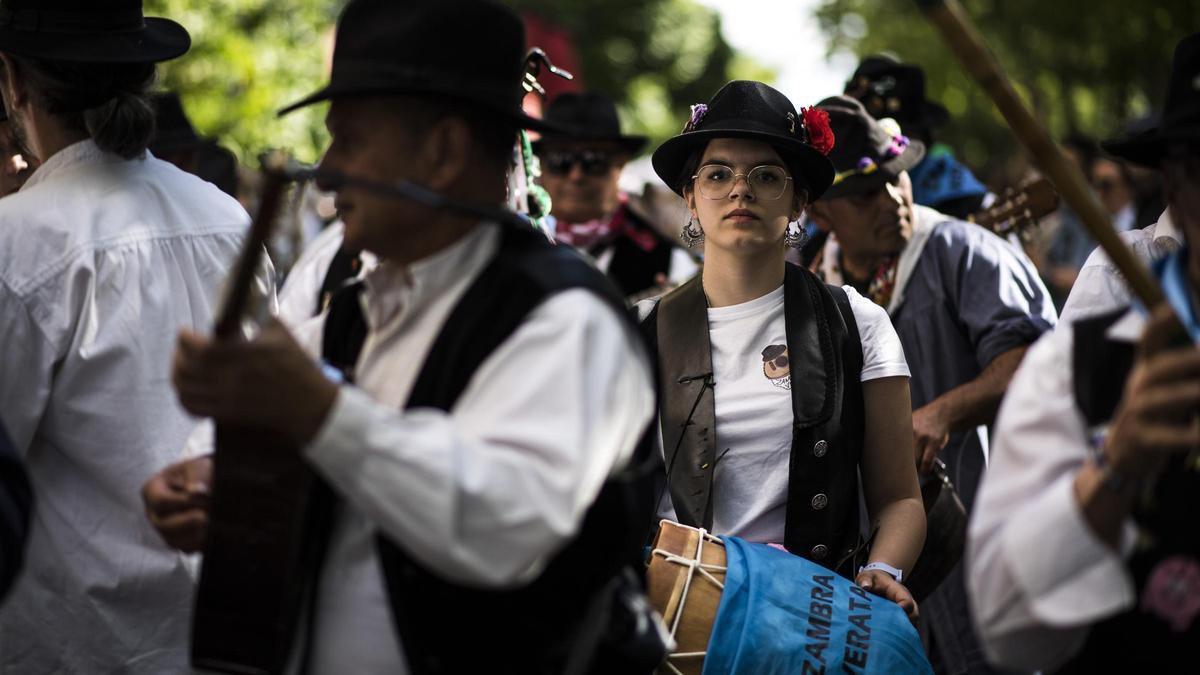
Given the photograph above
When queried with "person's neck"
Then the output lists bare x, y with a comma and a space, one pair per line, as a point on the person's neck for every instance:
48, 136
732, 280
435, 235
598, 215
859, 267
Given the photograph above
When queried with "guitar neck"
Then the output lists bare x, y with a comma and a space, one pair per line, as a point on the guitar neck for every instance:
237, 296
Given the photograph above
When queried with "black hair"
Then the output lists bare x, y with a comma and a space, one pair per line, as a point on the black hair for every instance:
108, 101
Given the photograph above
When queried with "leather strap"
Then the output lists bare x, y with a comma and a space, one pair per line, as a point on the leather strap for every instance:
688, 407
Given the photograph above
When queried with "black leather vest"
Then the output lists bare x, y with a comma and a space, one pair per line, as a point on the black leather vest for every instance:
825, 357
445, 627
1165, 566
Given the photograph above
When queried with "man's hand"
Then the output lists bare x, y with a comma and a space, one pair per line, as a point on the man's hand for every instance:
1159, 413
176, 501
882, 584
268, 382
931, 433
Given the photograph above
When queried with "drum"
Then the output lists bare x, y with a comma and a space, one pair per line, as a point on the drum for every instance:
945, 534
684, 581
741, 608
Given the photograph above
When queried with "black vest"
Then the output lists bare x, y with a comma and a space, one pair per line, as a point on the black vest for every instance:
632, 268
825, 358
1138, 640
445, 627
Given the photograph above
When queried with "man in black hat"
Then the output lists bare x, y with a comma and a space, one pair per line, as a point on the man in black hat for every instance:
965, 303
107, 253
499, 389
581, 169
888, 88
1073, 568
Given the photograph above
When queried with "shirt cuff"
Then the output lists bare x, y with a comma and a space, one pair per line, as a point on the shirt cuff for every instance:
1070, 577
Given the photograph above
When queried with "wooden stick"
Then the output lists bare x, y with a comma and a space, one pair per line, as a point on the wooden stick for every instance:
969, 46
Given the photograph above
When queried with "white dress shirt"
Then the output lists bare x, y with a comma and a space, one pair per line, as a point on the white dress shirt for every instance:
1100, 287
105, 260
299, 294
488, 492
1038, 575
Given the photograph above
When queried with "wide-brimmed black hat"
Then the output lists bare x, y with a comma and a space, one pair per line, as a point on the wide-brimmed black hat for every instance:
1180, 121
466, 50
88, 31
889, 88
755, 111
588, 116
868, 152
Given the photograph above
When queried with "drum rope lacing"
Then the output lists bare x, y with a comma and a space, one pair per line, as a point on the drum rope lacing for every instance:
694, 565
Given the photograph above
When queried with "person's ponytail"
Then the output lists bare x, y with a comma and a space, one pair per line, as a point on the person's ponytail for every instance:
124, 125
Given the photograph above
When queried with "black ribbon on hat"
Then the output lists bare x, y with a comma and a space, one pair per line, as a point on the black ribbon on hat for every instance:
79, 21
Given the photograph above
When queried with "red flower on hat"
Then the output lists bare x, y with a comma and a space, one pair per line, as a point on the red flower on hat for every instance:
816, 123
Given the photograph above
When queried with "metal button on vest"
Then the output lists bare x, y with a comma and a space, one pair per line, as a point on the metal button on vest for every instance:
819, 552
820, 448
819, 501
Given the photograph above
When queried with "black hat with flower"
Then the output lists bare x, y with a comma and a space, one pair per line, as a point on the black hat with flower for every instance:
869, 152
755, 111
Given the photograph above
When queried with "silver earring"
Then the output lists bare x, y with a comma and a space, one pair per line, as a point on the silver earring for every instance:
691, 234
795, 237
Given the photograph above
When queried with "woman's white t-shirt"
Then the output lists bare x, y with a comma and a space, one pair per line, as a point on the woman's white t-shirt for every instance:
754, 407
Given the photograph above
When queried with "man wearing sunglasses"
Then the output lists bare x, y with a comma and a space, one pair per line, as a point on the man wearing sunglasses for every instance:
581, 168
965, 303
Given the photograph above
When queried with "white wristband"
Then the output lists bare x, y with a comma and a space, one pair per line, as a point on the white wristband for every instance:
885, 568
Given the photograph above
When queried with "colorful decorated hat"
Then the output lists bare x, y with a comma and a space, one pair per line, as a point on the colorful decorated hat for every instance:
755, 111
869, 152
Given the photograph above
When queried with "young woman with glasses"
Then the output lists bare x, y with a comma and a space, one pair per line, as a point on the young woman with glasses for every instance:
777, 392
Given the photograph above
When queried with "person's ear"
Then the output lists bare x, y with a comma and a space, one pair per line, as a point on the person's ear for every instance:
689, 198
446, 152
819, 214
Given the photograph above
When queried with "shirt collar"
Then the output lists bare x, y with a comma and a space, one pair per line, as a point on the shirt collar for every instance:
82, 152
390, 289
1165, 229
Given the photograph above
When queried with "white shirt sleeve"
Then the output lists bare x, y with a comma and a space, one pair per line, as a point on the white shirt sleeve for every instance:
883, 355
487, 492
1099, 288
28, 359
1038, 575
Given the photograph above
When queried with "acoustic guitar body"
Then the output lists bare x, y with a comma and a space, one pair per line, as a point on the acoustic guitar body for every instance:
257, 559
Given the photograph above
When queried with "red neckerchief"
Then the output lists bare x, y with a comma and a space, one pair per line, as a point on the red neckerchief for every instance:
597, 233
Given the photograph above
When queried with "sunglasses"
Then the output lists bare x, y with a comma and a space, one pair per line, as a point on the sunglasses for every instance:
591, 162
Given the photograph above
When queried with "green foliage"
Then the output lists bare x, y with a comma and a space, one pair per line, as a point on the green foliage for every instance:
248, 59
1085, 66
654, 57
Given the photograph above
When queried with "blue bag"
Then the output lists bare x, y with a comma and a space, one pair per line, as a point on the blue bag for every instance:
780, 613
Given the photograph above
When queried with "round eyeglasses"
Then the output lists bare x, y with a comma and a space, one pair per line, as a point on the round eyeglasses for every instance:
767, 182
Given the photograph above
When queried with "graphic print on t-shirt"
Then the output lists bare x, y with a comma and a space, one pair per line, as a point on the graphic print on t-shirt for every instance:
776, 366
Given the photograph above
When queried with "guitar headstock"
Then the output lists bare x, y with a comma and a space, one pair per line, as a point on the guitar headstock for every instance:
1019, 209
